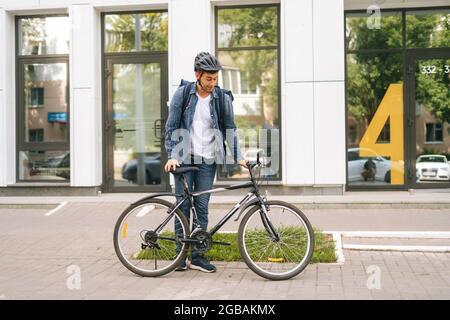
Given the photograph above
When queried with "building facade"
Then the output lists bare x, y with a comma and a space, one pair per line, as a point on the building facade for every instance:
338, 94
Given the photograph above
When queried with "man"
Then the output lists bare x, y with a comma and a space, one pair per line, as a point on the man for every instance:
198, 114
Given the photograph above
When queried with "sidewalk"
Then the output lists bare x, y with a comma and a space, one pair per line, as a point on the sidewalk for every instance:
40, 257
425, 199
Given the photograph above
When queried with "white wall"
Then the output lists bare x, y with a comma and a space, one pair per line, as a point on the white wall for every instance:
85, 107
7, 98
314, 106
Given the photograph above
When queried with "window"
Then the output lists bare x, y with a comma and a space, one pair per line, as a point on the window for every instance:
247, 45
134, 32
433, 132
43, 102
36, 98
428, 29
375, 70
36, 135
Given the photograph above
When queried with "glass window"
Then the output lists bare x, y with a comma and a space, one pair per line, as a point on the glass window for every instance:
36, 135
247, 27
433, 132
43, 101
44, 165
252, 74
364, 31
136, 32
428, 29
43, 35
371, 78
36, 98
51, 79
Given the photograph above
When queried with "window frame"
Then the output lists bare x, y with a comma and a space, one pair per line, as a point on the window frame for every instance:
405, 52
20, 62
276, 47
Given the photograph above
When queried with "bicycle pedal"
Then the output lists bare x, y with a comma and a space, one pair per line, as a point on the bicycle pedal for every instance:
221, 243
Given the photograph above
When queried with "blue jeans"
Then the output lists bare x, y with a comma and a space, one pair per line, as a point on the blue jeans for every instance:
197, 181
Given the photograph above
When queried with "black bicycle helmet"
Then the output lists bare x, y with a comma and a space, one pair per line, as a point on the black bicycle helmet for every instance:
204, 61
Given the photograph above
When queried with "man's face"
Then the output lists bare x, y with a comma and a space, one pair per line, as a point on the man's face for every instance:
207, 80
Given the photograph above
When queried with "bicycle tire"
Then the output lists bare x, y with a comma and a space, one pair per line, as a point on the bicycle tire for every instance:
118, 227
250, 261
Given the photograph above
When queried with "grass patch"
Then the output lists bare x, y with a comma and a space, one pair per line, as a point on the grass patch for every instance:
323, 249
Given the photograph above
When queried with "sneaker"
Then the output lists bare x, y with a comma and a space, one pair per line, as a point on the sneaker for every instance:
182, 266
203, 265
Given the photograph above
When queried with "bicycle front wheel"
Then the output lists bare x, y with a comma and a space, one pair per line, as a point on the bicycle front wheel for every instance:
281, 254
145, 238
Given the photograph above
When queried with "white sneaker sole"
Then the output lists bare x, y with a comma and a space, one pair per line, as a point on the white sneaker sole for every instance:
195, 267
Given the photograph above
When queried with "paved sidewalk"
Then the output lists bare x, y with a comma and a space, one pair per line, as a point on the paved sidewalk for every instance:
39, 256
425, 199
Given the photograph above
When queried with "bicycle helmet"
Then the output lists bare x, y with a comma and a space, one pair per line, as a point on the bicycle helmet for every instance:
204, 61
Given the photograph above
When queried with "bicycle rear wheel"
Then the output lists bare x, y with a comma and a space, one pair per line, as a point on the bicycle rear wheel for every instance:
272, 258
145, 239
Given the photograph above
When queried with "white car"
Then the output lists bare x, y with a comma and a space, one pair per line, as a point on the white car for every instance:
356, 165
433, 167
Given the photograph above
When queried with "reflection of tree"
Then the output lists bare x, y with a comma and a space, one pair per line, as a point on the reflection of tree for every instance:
250, 27
121, 29
254, 27
125, 102
369, 75
432, 90
34, 35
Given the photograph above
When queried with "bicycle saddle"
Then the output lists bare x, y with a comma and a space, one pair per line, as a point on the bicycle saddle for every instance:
180, 170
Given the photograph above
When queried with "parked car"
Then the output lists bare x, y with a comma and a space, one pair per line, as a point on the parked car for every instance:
152, 164
356, 165
56, 166
433, 167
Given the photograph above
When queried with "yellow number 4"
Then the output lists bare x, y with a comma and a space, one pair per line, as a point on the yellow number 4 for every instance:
391, 107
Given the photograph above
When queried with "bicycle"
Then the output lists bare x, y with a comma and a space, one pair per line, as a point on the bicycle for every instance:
275, 238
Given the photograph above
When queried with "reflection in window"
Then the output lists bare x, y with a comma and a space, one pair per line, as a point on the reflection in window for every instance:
44, 165
50, 79
43, 35
365, 32
433, 132
136, 32
252, 75
36, 135
248, 27
428, 29
36, 97
368, 78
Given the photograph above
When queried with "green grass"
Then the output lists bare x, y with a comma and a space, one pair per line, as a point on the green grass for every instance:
323, 249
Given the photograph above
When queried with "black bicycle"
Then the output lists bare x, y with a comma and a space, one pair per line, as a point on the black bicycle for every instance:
275, 238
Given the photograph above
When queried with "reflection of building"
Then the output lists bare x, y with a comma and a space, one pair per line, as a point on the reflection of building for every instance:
47, 116
432, 136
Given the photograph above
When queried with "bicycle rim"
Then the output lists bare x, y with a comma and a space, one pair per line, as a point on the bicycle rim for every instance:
141, 247
277, 259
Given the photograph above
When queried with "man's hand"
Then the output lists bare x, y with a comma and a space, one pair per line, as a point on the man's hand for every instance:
243, 163
171, 164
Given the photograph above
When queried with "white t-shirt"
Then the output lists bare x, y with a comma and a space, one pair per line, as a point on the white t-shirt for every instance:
202, 134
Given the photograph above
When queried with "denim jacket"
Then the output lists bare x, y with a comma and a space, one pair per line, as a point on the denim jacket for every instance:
179, 120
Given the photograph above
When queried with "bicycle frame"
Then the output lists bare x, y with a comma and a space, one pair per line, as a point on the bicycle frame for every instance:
246, 201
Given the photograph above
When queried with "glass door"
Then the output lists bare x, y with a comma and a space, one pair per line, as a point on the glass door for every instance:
136, 113
429, 119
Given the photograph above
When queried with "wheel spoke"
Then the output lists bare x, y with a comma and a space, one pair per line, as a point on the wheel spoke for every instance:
285, 257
